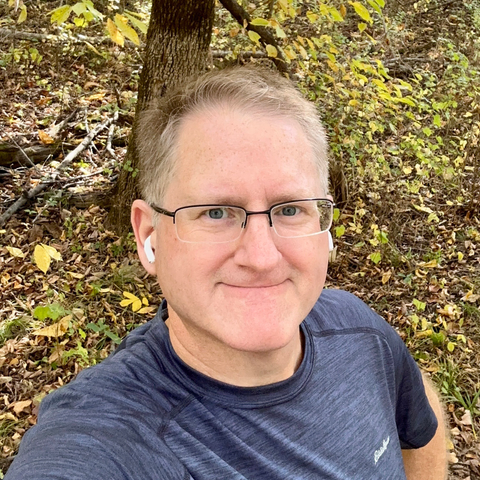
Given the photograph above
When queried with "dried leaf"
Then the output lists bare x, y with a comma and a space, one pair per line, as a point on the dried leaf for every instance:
122, 24
15, 252
56, 330
19, 407
271, 51
45, 138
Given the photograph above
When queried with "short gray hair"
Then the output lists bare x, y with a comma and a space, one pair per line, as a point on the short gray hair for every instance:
250, 89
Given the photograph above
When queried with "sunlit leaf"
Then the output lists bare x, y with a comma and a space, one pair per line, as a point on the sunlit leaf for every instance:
437, 120
60, 14
136, 305
336, 214
144, 310
42, 258
420, 306
375, 257
450, 346
114, 33
142, 26
375, 6
313, 17
343, 10
336, 15
19, 407
260, 22
362, 26
254, 36
126, 30
23, 14
271, 51
339, 231
53, 252
361, 11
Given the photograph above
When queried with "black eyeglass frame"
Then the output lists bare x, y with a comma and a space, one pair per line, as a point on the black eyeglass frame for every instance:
247, 212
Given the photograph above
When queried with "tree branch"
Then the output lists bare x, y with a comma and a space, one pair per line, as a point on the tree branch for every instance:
266, 37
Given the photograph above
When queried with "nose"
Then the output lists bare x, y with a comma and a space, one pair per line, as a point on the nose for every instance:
256, 246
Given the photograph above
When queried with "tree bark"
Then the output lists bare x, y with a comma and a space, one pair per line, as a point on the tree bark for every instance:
177, 47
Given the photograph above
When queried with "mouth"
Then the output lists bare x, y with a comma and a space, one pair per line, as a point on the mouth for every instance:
254, 286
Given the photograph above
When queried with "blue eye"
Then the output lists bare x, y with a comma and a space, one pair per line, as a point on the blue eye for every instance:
216, 213
289, 211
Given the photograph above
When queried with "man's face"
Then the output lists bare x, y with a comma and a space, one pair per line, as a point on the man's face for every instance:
250, 294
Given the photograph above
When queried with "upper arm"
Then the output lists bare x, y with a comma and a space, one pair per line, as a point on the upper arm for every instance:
429, 462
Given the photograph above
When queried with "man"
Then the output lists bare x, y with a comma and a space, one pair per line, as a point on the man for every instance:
247, 372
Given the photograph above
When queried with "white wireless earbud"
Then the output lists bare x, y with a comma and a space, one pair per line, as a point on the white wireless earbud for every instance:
147, 247
330, 242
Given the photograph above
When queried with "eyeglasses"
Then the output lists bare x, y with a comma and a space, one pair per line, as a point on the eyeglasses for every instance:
224, 223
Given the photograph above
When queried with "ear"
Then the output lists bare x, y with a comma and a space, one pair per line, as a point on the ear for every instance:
142, 223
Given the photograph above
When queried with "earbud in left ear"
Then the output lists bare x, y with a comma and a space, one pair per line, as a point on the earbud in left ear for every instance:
330, 242
147, 247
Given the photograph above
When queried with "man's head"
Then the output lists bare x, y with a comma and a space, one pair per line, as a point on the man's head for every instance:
254, 90
233, 141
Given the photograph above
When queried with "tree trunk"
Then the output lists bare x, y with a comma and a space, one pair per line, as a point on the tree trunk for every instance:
178, 41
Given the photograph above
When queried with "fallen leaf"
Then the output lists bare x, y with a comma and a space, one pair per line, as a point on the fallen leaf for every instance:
15, 252
19, 407
45, 138
466, 418
56, 330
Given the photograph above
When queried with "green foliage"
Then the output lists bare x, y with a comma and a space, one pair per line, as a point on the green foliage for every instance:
53, 311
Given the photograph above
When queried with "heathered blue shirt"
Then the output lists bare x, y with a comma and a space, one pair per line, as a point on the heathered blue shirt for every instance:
355, 401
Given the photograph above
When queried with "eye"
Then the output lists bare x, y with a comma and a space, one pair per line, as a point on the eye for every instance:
217, 213
290, 210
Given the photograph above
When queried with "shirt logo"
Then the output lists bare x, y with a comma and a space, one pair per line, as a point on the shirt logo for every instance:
381, 450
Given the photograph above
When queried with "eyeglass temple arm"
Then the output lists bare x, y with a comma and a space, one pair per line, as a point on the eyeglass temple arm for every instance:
163, 211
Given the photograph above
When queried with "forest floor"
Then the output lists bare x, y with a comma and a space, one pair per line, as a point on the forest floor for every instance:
66, 307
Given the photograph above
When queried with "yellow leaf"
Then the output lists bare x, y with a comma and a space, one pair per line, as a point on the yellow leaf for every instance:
145, 301
15, 252
137, 23
114, 33
60, 14
130, 295
254, 36
343, 10
19, 407
56, 330
42, 258
125, 302
52, 252
431, 264
147, 310
23, 14
361, 11
469, 296
386, 277
136, 305
122, 23
271, 51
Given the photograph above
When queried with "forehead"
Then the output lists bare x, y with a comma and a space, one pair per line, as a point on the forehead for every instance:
222, 152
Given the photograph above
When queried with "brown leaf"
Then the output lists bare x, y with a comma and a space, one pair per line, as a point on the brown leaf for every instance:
45, 138
19, 407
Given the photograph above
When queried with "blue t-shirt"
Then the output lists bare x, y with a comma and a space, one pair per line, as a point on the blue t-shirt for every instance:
143, 414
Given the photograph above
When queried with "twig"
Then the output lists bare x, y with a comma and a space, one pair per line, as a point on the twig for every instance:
22, 151
109, 148
244, 19
46, 182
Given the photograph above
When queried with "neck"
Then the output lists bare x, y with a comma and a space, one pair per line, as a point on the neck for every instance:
235, 367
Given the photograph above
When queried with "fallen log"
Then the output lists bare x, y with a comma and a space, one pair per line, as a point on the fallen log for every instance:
26, 196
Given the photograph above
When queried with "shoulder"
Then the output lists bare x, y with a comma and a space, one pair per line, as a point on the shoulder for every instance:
340, 310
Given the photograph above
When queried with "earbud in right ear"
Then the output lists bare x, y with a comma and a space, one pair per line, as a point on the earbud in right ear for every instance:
147, 247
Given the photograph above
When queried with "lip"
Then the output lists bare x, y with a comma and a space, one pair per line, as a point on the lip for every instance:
255, 287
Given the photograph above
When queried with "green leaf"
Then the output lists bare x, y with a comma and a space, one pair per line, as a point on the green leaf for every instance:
381, 3
253, 36
375, 6
142, 26
450, 346
362, 26
420, 306
49, 311
271, 51
336, 15
339, 231
361, 11
437, 120
79, 8
336, 214
260, 22
375, 257
23, 14
313, 17
60, 15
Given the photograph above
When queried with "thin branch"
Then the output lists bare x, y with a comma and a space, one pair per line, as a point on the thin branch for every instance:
47, 181
266, 37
